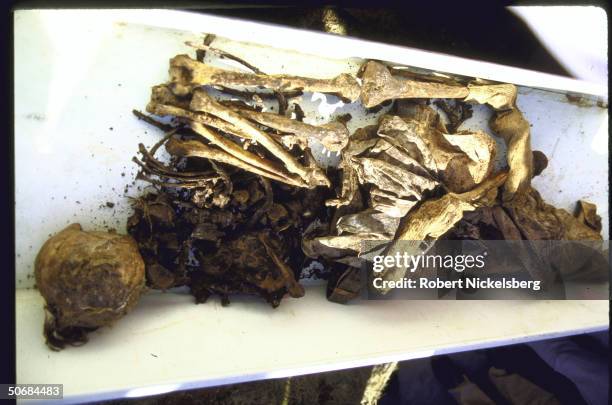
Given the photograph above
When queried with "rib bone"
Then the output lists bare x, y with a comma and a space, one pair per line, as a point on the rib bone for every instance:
334, 135
176, 147
236, 150
202, 118
203, 102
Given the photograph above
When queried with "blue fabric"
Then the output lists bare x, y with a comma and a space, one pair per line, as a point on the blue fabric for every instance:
573, 369
586, 368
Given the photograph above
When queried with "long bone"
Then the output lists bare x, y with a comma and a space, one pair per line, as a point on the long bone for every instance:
379, 85
186, 73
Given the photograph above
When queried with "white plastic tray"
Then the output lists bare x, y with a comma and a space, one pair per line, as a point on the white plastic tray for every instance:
78, 75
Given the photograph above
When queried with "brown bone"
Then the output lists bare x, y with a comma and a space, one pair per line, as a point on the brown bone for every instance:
203, 102
435, 217
379, 85
202, 118
294, 288
186, 73
176, 147
334, 135
514, 129
236, 150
